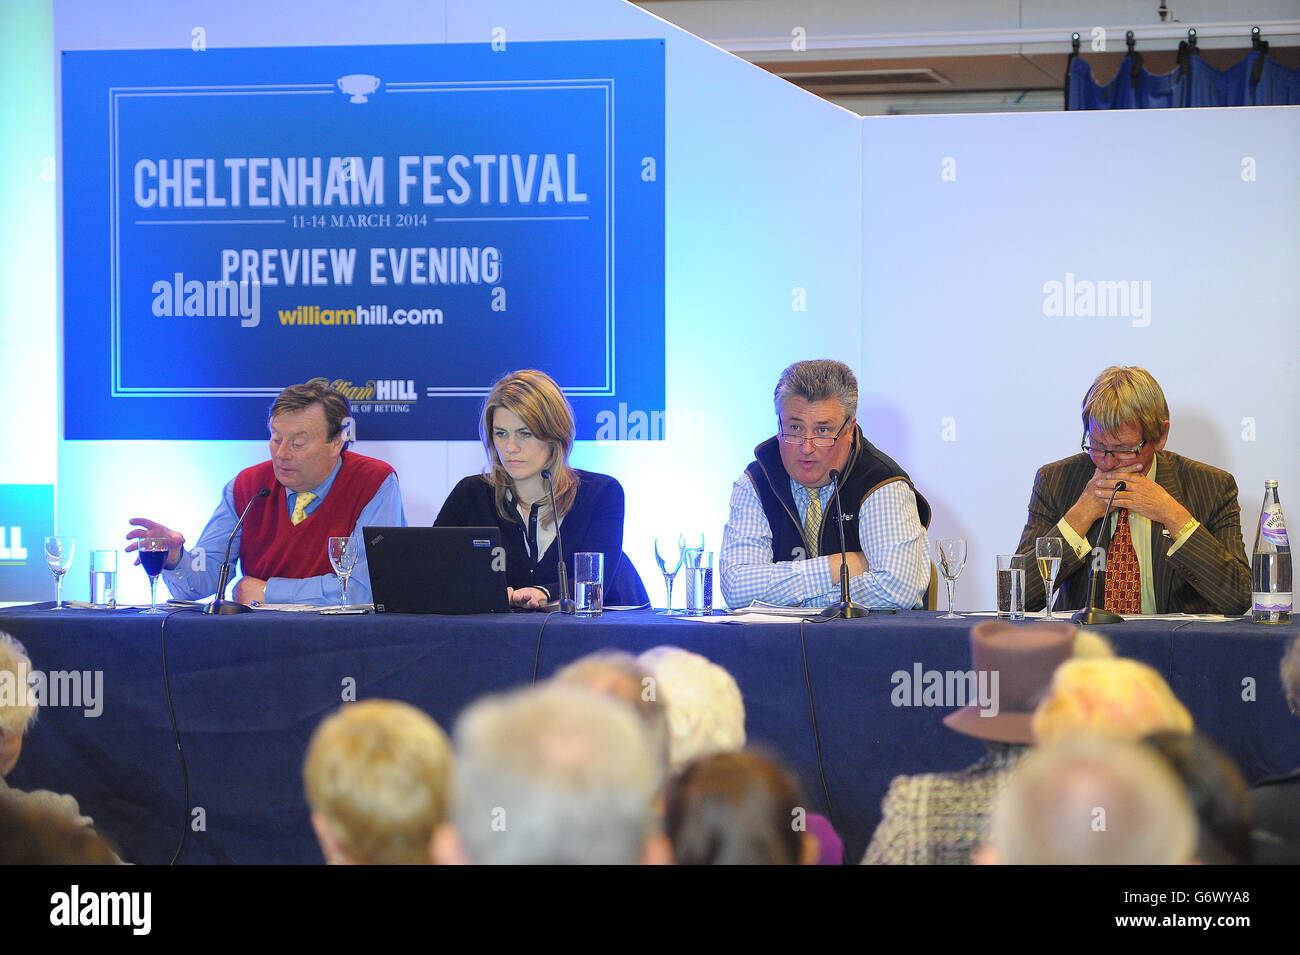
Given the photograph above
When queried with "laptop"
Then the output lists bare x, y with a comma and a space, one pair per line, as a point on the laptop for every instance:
436, 569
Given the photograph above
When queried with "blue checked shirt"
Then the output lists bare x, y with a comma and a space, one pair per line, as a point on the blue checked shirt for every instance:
893, 541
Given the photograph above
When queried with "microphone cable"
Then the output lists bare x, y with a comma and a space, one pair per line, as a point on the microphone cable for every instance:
812, 711
537, 656
176, 733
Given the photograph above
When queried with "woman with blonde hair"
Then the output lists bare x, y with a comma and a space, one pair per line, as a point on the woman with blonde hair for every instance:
1108, 697
527, 428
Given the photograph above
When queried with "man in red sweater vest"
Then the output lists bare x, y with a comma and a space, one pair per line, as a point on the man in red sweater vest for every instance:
318, 490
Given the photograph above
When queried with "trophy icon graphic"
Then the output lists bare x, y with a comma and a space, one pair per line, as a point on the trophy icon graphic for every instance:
358, 86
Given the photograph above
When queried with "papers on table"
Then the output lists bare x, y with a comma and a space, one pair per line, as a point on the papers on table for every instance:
1064, 616
776, 610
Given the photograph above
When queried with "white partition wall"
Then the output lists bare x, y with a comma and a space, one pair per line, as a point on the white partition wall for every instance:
1007, 259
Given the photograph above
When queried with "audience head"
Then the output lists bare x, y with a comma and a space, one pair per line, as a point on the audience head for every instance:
705, 711
1217, 793
617, 674
1290, 671
1092, 800
18, 707
552, 775
35, 835
376, 777
736, 809
1110, 697
1022, 659
529, 400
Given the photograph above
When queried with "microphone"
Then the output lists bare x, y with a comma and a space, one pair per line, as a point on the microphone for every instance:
566, 602
1092, 614
219, 605
845, 608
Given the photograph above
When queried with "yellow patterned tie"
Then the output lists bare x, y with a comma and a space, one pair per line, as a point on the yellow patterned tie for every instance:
812, 522
300, 507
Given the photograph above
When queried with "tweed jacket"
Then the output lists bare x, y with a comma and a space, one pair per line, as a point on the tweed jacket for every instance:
1209, 573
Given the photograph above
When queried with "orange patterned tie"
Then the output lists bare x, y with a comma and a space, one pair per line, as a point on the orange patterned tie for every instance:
1123, 576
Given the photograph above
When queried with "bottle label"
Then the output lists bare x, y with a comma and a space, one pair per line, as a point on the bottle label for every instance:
1272, 526
1272, 603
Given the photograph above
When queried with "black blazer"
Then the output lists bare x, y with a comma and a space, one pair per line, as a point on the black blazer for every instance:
594, 523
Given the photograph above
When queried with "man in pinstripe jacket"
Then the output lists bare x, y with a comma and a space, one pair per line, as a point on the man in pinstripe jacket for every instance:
1183, 517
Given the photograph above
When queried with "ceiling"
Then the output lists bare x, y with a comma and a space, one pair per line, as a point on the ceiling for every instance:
967, 55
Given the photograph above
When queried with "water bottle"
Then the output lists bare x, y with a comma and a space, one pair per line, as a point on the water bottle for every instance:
1271, 562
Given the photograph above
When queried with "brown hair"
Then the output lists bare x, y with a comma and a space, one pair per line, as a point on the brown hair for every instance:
734, 809
539, 403
301, 397
1120, 396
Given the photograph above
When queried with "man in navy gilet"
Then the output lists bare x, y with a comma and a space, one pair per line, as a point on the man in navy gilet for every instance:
781, 545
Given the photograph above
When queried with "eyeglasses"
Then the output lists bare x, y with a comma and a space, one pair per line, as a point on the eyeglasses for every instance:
797, 435
1102, 451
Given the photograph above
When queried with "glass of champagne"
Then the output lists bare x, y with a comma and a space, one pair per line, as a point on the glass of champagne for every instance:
950, 557
669, 577
58, 554
343, 556
1048, 551
153, 554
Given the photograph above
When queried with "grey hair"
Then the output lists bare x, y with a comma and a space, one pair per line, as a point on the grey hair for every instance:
818, 380
16, 717
620, 675
553, 775
1089, 800
1290, 670
705, 709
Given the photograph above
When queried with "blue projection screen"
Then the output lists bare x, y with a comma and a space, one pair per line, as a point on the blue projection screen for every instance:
406, 223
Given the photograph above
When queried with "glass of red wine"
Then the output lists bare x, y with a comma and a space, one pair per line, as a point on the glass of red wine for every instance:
153, 554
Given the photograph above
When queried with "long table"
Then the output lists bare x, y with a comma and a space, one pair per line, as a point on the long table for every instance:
247, 692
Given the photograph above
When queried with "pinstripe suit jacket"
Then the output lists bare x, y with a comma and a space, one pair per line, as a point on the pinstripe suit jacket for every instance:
1209, 573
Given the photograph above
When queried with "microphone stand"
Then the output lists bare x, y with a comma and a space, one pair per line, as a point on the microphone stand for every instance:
1092, 615
566, 602
219, 605
846, 607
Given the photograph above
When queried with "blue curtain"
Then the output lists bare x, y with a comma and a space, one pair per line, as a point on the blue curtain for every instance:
1255, 81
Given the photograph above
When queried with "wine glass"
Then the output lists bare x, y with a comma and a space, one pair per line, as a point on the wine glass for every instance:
343, 555
950, 556
1048, 552
153, 554
58, 554
669, 577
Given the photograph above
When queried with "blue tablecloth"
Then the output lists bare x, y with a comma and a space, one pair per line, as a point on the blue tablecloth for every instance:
249, 690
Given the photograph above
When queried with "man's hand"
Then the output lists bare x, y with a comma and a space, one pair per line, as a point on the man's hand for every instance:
857, 562
143, 527
1091, 505
530, 597
249, 591
1146, 497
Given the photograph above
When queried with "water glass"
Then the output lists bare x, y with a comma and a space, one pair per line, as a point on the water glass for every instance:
1011, 586
103, 579
588, 584
699, 582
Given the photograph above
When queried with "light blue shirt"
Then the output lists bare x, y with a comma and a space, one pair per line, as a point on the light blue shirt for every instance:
199, 570
893, 541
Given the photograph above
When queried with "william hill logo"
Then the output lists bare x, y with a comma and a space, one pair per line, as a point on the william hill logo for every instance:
378, 395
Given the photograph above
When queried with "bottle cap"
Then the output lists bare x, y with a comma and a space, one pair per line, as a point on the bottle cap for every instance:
1270, 482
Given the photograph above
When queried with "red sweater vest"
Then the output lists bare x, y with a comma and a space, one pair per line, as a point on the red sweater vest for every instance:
271, 546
